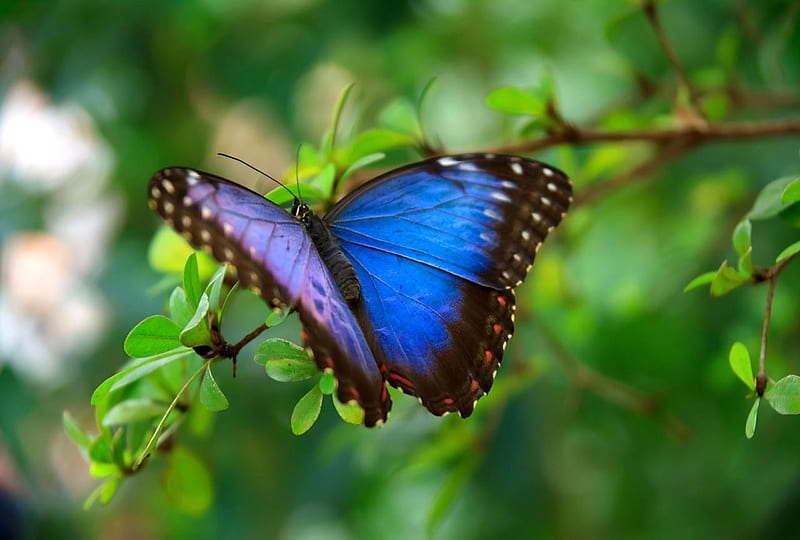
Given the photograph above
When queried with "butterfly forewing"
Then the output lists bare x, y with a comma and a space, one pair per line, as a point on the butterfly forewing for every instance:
437, 246
273, 255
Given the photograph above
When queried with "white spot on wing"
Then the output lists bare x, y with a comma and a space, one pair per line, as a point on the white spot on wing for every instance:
187, 201
169, 186
545, 201
168, 207
227, 228
186, 221
552, 187
155, 192
547, 172
526, 235
192, 177
489, 212
205, 212
500, 196
447, 161
516, 167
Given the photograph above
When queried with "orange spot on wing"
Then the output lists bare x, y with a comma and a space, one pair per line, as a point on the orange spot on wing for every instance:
489, 356
501, 301
497, 328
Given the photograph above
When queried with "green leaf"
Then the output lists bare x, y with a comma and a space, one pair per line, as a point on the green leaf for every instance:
197, 332
276, 316
191, 280
104, 492
337, 116
702, 279
359, 163
510, 100
137, 371
188, 483
745, 264
792, 193
739, 359
285, 361
752, 417
211, 395
726, 280
152, 336
133, 410
80, 437
179, 307
769, 201
352, 413
306, 411
327, 383
215, 286
741, 236
784, 396
377, 141
100, 451
788, 252
400, 115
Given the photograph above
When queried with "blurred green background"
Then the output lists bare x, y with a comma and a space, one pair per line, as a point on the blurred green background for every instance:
96, 96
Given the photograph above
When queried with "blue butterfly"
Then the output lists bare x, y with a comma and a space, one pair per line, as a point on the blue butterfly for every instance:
407, 280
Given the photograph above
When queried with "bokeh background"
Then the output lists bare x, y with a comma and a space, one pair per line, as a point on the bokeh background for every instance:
95, 96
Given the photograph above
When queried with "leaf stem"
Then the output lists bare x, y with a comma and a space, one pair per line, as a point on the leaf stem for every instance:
160, 427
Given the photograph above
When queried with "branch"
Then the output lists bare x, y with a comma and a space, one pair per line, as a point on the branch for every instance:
586, 378
729, 131
652, 15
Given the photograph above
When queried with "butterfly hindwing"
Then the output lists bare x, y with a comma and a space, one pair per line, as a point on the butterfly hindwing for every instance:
437, 247
274, 255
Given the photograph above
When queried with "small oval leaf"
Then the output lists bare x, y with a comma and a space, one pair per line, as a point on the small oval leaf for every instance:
327, 383
188, 483
211, 395
179, 307
739, 359
152, 336
133, 410
752, 417
792, 193
512, 100
351, 412
784, 396
700, 280
306, 411
741, 236
788, 252
196, 332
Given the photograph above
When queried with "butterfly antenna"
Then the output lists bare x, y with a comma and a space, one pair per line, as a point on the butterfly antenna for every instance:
259, 171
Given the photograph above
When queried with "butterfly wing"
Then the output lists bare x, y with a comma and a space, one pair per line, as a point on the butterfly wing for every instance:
437, 248
273, 255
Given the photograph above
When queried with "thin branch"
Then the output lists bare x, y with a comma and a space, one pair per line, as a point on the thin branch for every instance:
651, 12
630, 176
729, 131
771, 275
586, 378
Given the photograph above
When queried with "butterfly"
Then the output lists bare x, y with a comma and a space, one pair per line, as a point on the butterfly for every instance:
407, 280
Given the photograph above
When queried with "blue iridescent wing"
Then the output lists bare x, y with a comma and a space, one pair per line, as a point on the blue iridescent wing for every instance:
438, 247
274, 255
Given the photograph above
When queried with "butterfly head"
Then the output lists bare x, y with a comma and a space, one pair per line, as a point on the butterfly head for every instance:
302, 212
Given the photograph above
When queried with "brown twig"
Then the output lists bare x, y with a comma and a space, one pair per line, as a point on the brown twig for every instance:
770, 275
728, 131
651, 12
586, 378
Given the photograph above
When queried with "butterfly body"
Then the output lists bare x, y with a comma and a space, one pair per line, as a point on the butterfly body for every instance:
408, 279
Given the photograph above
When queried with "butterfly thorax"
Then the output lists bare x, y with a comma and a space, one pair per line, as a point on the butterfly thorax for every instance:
330, 251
